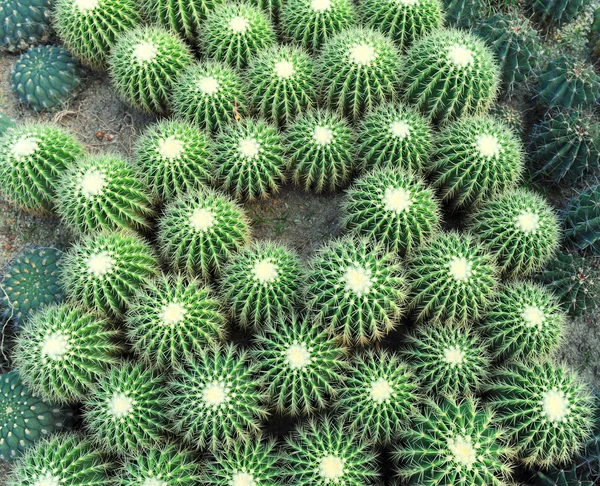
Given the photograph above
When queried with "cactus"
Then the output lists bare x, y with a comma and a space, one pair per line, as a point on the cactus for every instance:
510, 115
448, 359
90, 28
525, 321
393, 207
356, 290
476, 158
320, 148
358, 69
559, 12
310, 23
32, 157
103, 272
464, 14
249, 159
46, 77
300, 365
144, 65
175, 158
234, 32
520, 229
172, 318
215, 401
582, 221
561, 477
62, 351
394, 136
209, 94
548, 411
281, 83
450, 73
200, 232
24, 23
452, 279
260, 285
6, 122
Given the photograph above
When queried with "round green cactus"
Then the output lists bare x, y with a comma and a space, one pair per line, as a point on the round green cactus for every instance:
476, 158
582, 221
320, 148
234, 32
379, 396
32, 158
144, 64
89, 28
510, 115
393, 136
449, 360
248, 158
548, 411
46, 77
209, 94
62, 351
559, 12
102, 272
172, 318
520, 229
175, 158
24, 23
309, 23
454, 442
300, 365
450, 73
358, 69
215, 401
125, 411
356, 289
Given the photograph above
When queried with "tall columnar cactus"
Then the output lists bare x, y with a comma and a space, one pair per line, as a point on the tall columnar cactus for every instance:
62, 352
215, 400
171, 318
520, 229
24, 23
393, 207
32, 158
356, 289
450, 73
102, 272
89, 28
198, 233
559, 12
300, 365
452, 279
547, 410
358, 69
476, 158
582, 222
320, 150
144, 65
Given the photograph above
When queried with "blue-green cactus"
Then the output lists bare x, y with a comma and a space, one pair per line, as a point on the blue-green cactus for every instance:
24, 23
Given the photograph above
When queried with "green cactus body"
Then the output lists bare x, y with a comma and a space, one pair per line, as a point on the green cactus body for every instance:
510, 116
464, 14
300, 364
24, 23
32, 158
320, 148
393, 207
358, 69
559, 12
582, 222
89, 28
6, 122
62, 352
102, 272
356, 290
450, 73
561, 477
452, 279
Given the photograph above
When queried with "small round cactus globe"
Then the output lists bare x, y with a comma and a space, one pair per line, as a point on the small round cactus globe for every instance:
25, 23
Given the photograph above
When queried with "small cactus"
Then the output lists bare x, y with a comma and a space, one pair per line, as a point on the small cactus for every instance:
510, 115
582, 221
559, 12
24, 23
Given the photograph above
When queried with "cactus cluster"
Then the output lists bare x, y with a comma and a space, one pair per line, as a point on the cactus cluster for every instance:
582, 221
24, 23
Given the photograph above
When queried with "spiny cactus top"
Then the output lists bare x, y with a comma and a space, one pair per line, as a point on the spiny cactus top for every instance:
452, 279
356, 289
582, 220
393, 207
454, 441
510, 115
450, 73
144, 64
547, 410
32, 158
300, 364
46, 77
234, 32
62, 351
103, 271
559, 12
215, 399
89, 28
520, 229
24, 23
